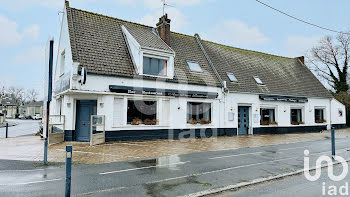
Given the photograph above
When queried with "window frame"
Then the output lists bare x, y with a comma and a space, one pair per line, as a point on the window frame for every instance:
62, 62
323, 116
270, 122
228, 75
147, 100
166, 59
301, 121
189, 115
194, 62
258, 80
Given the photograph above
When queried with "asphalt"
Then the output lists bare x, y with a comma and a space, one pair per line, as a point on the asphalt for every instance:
20, 128
293, 186
175, 175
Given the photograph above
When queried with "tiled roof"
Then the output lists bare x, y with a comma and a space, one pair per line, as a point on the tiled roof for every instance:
98, 44
280, 75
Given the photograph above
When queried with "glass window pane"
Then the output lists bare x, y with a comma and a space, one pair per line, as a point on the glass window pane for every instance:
232, 77
194, 67
141, 112
258, 80
199, 111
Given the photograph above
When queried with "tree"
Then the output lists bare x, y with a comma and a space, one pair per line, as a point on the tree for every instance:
32, 95
330, 61
17, 95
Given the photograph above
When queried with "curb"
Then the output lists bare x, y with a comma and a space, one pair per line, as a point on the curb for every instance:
254, 182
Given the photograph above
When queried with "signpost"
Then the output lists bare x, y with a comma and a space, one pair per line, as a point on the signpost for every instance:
48, 94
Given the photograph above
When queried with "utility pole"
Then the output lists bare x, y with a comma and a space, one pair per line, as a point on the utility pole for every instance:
48, 97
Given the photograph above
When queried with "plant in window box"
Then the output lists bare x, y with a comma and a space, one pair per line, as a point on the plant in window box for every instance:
150, 122
264, 122
136, 121
295, 123
301, 122
273, 122
204, 121
192, 121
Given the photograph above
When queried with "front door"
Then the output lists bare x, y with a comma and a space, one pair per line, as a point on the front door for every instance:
85, 108
243, 120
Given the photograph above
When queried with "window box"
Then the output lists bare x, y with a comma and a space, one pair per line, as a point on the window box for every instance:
204, 121
150, 122
321, 121
136, 121
268, 123
297, 123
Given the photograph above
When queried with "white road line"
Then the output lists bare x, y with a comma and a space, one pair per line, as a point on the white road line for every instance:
99, 191
293, 148
27, 183
132, 169
232, 168
255, 153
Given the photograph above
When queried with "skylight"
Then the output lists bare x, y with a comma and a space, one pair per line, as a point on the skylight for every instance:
232, 77
194, 67
258, 80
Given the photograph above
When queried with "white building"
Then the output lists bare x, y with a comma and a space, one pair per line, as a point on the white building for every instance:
151, 83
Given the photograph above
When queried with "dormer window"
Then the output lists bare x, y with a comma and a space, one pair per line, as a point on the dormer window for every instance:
154, 66
194, 67
258, 80
232, 77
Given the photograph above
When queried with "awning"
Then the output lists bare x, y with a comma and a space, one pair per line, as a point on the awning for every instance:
162, 92
284, 98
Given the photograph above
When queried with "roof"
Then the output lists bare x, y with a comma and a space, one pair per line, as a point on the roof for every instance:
98, 44
280, 75
7, 101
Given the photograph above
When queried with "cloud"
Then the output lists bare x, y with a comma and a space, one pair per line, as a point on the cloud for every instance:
173, 13
236, 32
10, 36
299, 45
34, 54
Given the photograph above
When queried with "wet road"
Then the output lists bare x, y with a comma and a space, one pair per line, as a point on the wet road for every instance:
167, 176
295, 186
23, 127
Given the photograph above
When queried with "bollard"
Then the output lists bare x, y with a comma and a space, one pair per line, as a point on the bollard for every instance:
45, 151
333, 141
7, 129
68, 170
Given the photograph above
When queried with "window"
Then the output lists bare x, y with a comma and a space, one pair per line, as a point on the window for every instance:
232, 77
258, 80
199, 113
319, 116
194, 67
296, 117
267, 116
63, 60
142, 112
152, 66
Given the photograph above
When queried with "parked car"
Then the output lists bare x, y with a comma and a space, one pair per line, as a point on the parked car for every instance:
37, 117
21, 116
28, 117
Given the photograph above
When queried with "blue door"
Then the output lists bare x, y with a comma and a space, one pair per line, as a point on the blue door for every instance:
85, 109
243, 120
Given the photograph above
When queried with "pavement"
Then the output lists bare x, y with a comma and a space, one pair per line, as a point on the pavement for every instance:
293, 186
176, 175
20, 128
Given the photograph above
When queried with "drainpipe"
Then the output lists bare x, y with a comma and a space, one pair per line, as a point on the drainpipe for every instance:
330, 113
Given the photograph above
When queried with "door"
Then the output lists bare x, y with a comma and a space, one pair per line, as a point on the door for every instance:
243, 120
85, 109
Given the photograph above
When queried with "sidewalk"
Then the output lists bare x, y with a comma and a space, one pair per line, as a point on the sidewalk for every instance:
30, 148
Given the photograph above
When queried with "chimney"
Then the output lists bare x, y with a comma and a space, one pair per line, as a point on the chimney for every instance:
302, 59
163, 27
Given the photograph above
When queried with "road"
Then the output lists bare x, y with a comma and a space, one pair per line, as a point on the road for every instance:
23, 127
166, 176
293, 186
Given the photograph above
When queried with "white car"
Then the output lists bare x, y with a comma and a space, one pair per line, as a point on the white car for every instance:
37, 117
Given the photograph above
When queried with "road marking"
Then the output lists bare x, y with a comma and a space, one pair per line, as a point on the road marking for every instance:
99, 191
133, 169
237, 155
78, 151
21, 170
232, 168
27, 183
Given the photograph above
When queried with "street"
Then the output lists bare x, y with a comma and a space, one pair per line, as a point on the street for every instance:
175, 175
291, 186
23, 127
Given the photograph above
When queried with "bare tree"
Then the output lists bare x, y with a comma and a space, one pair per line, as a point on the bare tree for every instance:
32, 95
330, 60
17, 95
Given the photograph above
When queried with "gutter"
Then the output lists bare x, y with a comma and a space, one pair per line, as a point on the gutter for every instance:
209, 60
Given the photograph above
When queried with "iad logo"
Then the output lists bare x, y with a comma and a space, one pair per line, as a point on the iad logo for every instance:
330, 190
330, 167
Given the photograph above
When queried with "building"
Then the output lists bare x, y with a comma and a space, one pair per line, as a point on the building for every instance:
153, 83
8, 107
31, 109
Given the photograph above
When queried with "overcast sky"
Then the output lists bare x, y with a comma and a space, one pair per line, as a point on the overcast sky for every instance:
26, 25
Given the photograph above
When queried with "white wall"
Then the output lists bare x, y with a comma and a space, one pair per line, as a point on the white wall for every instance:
336, 117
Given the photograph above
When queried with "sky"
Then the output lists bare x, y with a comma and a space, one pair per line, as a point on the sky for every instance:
26, 25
